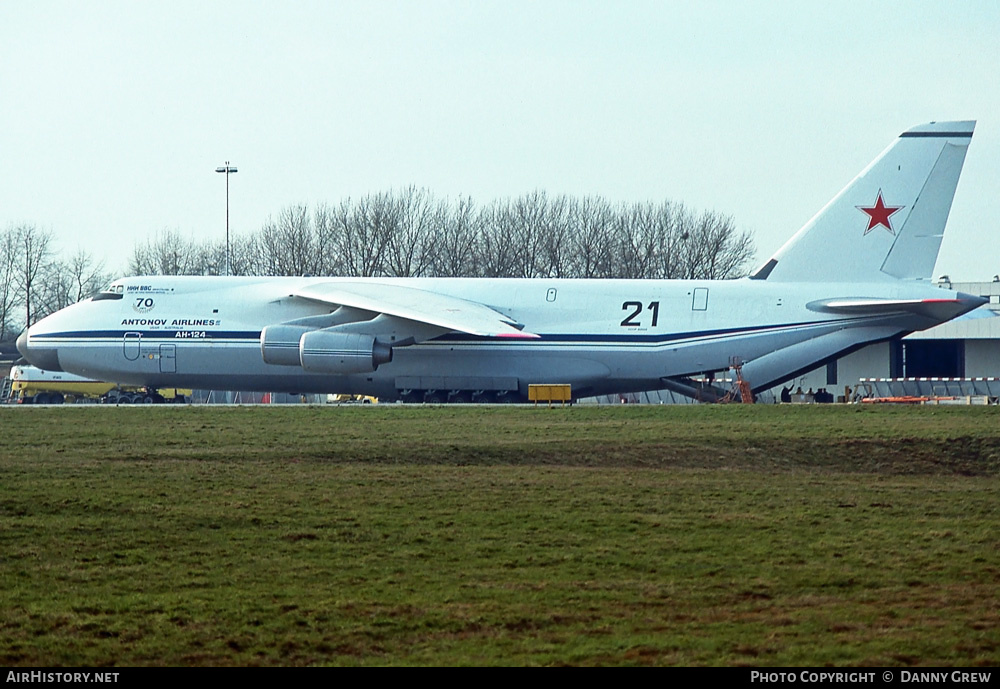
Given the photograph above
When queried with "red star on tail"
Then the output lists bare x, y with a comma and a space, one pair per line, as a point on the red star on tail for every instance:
879, 214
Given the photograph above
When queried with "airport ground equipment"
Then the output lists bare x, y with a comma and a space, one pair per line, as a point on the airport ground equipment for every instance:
32, 385
540, 392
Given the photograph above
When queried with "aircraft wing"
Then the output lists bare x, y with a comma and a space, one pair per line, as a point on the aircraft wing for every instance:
422, 306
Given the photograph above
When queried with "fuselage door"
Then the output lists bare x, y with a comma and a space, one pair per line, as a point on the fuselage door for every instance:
168, 360
132, 341
699, 301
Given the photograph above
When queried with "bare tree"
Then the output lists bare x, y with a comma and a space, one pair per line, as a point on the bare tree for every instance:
591, 220
327, 232
288, 244
455, 240
540, 235
53, 290
8, 281
86, 275
68, 281
409, 233
528, 218
498, 251
409, 251
636, 234
32, 247
557, 233
714, 250
171, 254
668, 236
244, 255
365, 230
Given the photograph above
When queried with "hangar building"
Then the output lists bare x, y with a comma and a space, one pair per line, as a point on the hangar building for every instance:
968, 347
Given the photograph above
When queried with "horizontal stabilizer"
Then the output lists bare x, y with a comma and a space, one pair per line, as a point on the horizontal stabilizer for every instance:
943, 309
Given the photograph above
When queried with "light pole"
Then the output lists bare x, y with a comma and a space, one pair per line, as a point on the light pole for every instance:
228, 170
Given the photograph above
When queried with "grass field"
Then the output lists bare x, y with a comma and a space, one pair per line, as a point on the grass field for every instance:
495, 536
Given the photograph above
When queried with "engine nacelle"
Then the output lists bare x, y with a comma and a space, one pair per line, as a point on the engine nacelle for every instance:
279, 344
323, 351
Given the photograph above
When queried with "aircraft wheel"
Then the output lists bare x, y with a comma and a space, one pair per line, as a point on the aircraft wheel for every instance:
506, 397
435, 397
42, 398
412, 397
461, 397
57, 398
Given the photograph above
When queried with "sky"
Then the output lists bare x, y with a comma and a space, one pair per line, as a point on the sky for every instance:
115, 114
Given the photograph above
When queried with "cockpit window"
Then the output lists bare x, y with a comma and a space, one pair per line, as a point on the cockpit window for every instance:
111, 292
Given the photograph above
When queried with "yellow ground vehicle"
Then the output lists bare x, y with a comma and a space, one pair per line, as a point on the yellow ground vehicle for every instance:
31, 385
348, 399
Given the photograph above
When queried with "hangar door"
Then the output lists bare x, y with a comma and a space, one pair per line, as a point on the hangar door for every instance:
929, 359
934, 358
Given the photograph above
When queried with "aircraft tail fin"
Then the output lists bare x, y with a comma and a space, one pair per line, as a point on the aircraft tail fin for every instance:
888, 222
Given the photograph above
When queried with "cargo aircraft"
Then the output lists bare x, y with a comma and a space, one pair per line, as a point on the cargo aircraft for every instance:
856, 273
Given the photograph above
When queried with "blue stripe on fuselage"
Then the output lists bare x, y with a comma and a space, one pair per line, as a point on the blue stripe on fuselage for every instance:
552, 338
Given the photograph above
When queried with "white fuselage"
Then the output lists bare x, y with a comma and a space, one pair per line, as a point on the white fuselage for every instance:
856, 273
600, 336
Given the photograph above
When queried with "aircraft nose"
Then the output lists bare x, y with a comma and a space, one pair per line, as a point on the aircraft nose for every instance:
44, 358
22, 343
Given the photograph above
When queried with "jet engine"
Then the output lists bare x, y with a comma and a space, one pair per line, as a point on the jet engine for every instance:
279, 344
323, 351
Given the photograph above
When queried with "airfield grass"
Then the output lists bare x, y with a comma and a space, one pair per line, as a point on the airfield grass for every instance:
765, 535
